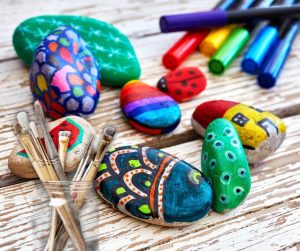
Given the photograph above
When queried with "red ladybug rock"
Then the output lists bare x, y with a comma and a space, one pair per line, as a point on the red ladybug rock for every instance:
183, 84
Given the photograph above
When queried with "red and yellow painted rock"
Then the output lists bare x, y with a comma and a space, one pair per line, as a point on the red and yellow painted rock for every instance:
81, 131
261, 132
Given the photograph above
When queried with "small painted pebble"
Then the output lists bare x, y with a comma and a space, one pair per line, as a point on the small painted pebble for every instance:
183, 84
64, 75
224, 162
81, 131
111, 48
148, 109
153, 186
261, 132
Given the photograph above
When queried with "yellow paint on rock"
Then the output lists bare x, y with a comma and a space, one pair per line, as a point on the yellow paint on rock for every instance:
251, 133
41, 81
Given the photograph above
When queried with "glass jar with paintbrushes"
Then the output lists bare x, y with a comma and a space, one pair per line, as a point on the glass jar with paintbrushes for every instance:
68, 197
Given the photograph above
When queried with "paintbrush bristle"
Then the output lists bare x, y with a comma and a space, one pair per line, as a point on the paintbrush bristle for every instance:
39, 110
17, 128
64, 133
95, 143
23, 120
109, 131
34, 129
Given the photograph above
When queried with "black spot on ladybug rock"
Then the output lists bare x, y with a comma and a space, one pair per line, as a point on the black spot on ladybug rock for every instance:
183, 84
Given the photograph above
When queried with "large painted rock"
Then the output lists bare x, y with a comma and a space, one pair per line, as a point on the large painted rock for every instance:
81, 132
224, 162
111, 48
148, 109
153, 186
261, 132
183, 84
64, 75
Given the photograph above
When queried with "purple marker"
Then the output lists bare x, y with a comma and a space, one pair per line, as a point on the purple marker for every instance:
216, 18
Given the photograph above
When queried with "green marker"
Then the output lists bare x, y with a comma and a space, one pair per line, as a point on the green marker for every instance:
229, 50
234, 44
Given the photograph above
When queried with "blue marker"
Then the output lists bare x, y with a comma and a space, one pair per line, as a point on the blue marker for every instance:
263, 43
276, 59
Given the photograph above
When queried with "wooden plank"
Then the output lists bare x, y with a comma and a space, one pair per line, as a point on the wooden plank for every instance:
283, 101
24, 214
271, 228
133, 18
15, 94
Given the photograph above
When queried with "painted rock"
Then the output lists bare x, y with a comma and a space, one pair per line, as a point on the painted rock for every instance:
64, 75
224, 162
183, 84
148, 109
111, 48
81, 131
260, 132
153, 186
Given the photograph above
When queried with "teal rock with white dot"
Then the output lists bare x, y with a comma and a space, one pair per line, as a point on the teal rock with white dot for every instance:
224, 162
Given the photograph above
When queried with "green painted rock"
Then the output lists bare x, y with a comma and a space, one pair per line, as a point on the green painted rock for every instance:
224, 162
112, 49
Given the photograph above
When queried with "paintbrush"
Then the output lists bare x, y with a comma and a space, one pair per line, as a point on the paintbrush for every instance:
28, 136
87, 177
63, 142
36, 158
51, 149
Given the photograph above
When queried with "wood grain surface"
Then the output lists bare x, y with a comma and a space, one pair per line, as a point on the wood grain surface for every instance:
269, 219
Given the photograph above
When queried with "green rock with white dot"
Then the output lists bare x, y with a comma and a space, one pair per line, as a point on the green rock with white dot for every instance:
112, 49
224, 162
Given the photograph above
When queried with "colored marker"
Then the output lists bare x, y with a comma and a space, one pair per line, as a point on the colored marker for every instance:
217, 18
217, 37
261, 45
234, 44
277, 58
189, 42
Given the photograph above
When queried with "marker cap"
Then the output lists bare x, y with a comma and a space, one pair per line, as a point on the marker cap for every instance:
183, 48
273, 65
259, 49
215, 39
229, 50
271, 70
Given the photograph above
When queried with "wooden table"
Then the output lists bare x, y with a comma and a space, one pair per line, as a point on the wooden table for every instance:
269, 219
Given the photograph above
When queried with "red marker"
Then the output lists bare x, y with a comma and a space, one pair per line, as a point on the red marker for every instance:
183, 48
188, 43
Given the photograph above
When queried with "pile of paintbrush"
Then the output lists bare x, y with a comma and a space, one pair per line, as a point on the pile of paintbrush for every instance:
49, 168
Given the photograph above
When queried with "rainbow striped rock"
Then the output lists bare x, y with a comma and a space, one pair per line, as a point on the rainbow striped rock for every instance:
148, 109
64, 75
261, 132
153, 186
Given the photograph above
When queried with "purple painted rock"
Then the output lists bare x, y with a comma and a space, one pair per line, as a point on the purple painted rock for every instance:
64, 75
81, 131
183, 84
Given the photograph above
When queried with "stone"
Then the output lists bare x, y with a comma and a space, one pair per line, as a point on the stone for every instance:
260, 132
183, 84
111, 48
148, 109
224, 163
153, 186
64, 66
81, 132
